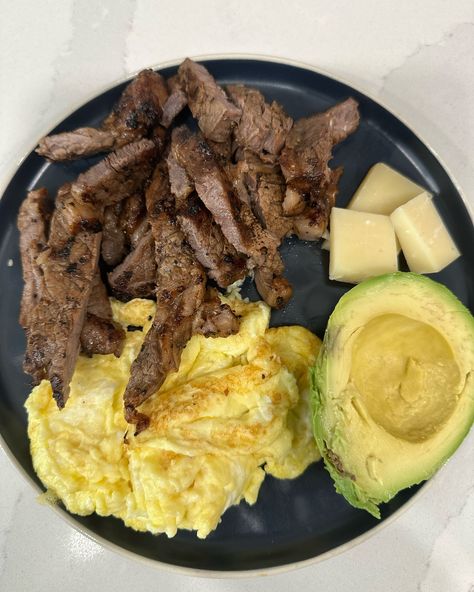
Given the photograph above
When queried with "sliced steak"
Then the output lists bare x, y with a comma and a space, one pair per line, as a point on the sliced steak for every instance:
181, 184
181, 284
67, 266
222, 150
236, 175
139, 108
118, 175
69, 263
135, 277
274, 288
215, 114
262, 127
265, 190
139, 232
305, 157
80, 206
175, 103
100, 334
82, 142
235, 217
210, 246
132, 218
312, 223
214, 318
113, 246
33, 221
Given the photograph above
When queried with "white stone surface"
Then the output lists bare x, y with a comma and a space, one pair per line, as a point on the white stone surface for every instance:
418, 58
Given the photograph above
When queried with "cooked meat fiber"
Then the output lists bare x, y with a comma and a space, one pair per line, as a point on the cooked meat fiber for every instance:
118, 175
304, 162
135, 277
264, 188
82, 142
132, 218
215, 114
181, 284
139, 108
175, 103
205, 237
221, 150
309, 144
100, 334
235, 218
81, 204
236, 175
124, 226
113, 247
68, 266
33, 220
262, 127
139, 232
210, 246
69, 263
181, 184
312, 222
214, 318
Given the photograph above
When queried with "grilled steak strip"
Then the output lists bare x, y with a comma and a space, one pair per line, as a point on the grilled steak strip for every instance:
304, 162
100, 334
312, 223
205, 237
235, 218
69, 263
181, 185
135, 277
214, 318
82, 142
33, 220
68, 266
181, 284
215, 114
210, 246
133, 218
114, 178
175, 103
118, 176
262, 127
264, 188
221, 150
113, 247
139, 108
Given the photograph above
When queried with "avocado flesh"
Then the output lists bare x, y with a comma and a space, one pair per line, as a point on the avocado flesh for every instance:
393, 391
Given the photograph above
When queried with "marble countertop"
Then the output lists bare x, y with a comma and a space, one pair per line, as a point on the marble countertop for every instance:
416, 57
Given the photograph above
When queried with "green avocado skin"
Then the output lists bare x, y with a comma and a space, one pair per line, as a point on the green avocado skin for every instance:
383, 287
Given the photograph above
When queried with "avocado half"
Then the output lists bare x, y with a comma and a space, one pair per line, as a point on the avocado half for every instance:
393, 386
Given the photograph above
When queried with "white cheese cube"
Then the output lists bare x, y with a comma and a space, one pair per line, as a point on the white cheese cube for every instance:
362, 245
425, 241
325, 245
383, 190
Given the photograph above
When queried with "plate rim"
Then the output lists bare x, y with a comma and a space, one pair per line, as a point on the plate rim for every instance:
156, 563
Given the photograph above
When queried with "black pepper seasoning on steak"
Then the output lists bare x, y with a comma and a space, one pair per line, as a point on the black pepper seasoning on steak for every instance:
139, 108
215, 114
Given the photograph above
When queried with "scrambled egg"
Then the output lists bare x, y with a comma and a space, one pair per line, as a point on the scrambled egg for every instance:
237, 408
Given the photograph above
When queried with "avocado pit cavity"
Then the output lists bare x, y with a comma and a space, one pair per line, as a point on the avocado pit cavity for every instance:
405, 375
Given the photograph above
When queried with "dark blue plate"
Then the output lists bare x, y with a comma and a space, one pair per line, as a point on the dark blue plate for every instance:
296, 520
